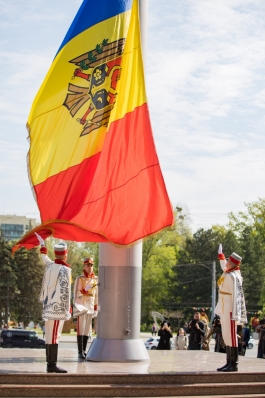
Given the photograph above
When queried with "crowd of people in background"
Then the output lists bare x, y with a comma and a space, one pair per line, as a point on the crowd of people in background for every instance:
197, 334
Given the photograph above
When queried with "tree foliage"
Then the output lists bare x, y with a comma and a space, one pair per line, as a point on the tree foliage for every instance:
160, 254
21, 277
25, 305
250, 229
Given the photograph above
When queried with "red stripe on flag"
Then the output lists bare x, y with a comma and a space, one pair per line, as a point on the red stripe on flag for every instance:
118, 195
62, 196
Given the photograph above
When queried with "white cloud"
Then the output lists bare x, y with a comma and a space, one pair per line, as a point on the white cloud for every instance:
21, 83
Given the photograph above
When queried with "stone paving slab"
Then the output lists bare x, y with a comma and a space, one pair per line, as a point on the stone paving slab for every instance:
15, 360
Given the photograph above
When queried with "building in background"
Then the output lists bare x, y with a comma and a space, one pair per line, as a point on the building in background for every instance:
13, 227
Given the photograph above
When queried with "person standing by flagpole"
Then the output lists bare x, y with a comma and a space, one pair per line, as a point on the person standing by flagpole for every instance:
230, 307
55, 298
86, 304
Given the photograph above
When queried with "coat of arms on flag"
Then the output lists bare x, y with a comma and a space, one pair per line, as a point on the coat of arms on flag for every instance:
101, 69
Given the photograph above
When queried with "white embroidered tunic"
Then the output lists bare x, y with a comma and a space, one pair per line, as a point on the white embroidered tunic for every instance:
231, 296
55, 291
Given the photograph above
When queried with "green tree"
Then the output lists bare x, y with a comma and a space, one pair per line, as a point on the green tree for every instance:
158, 260
8, 279
250, 228
29, 271
20, 283
160, 253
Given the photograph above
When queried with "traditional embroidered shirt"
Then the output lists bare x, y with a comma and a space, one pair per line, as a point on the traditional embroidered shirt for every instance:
55, 291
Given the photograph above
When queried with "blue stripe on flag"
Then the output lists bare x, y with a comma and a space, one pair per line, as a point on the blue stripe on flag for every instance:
92, 12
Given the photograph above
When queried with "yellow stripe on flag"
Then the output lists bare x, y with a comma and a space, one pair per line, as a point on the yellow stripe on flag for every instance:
55, 138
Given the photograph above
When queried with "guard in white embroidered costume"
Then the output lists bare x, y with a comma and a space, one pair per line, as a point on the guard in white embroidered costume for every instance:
85, 304
55, 298
230, 307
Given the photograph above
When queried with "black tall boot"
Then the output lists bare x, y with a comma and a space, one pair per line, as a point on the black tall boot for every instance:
228, 359
51, 358
234, 361
85, 338
81, 355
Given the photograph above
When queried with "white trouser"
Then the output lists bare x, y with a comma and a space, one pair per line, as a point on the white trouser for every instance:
84, 324
229, 329
53, 330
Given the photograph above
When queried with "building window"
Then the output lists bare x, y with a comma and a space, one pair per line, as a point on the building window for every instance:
12, 231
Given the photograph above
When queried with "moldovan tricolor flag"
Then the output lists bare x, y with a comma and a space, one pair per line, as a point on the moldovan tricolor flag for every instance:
92, 159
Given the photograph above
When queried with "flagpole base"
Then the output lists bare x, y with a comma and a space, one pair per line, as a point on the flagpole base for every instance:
108, 350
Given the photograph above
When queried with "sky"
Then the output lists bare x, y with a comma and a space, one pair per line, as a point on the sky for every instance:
206, 94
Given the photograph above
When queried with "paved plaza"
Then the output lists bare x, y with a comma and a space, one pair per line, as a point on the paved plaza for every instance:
16, 360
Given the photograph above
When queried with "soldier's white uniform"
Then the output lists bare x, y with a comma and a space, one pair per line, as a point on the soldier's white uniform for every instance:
55, 298
85, 305
86, 300
227, 294
231, 308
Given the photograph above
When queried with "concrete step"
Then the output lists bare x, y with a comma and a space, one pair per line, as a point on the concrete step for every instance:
131, 379
223, 396
197, 396
140, 390
179, 396
133, 385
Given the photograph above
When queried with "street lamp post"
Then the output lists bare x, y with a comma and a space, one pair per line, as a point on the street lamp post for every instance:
213, 272
7, 306
213, 288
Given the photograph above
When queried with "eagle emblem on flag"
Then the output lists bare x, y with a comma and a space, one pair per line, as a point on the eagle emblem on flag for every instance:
101, 69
